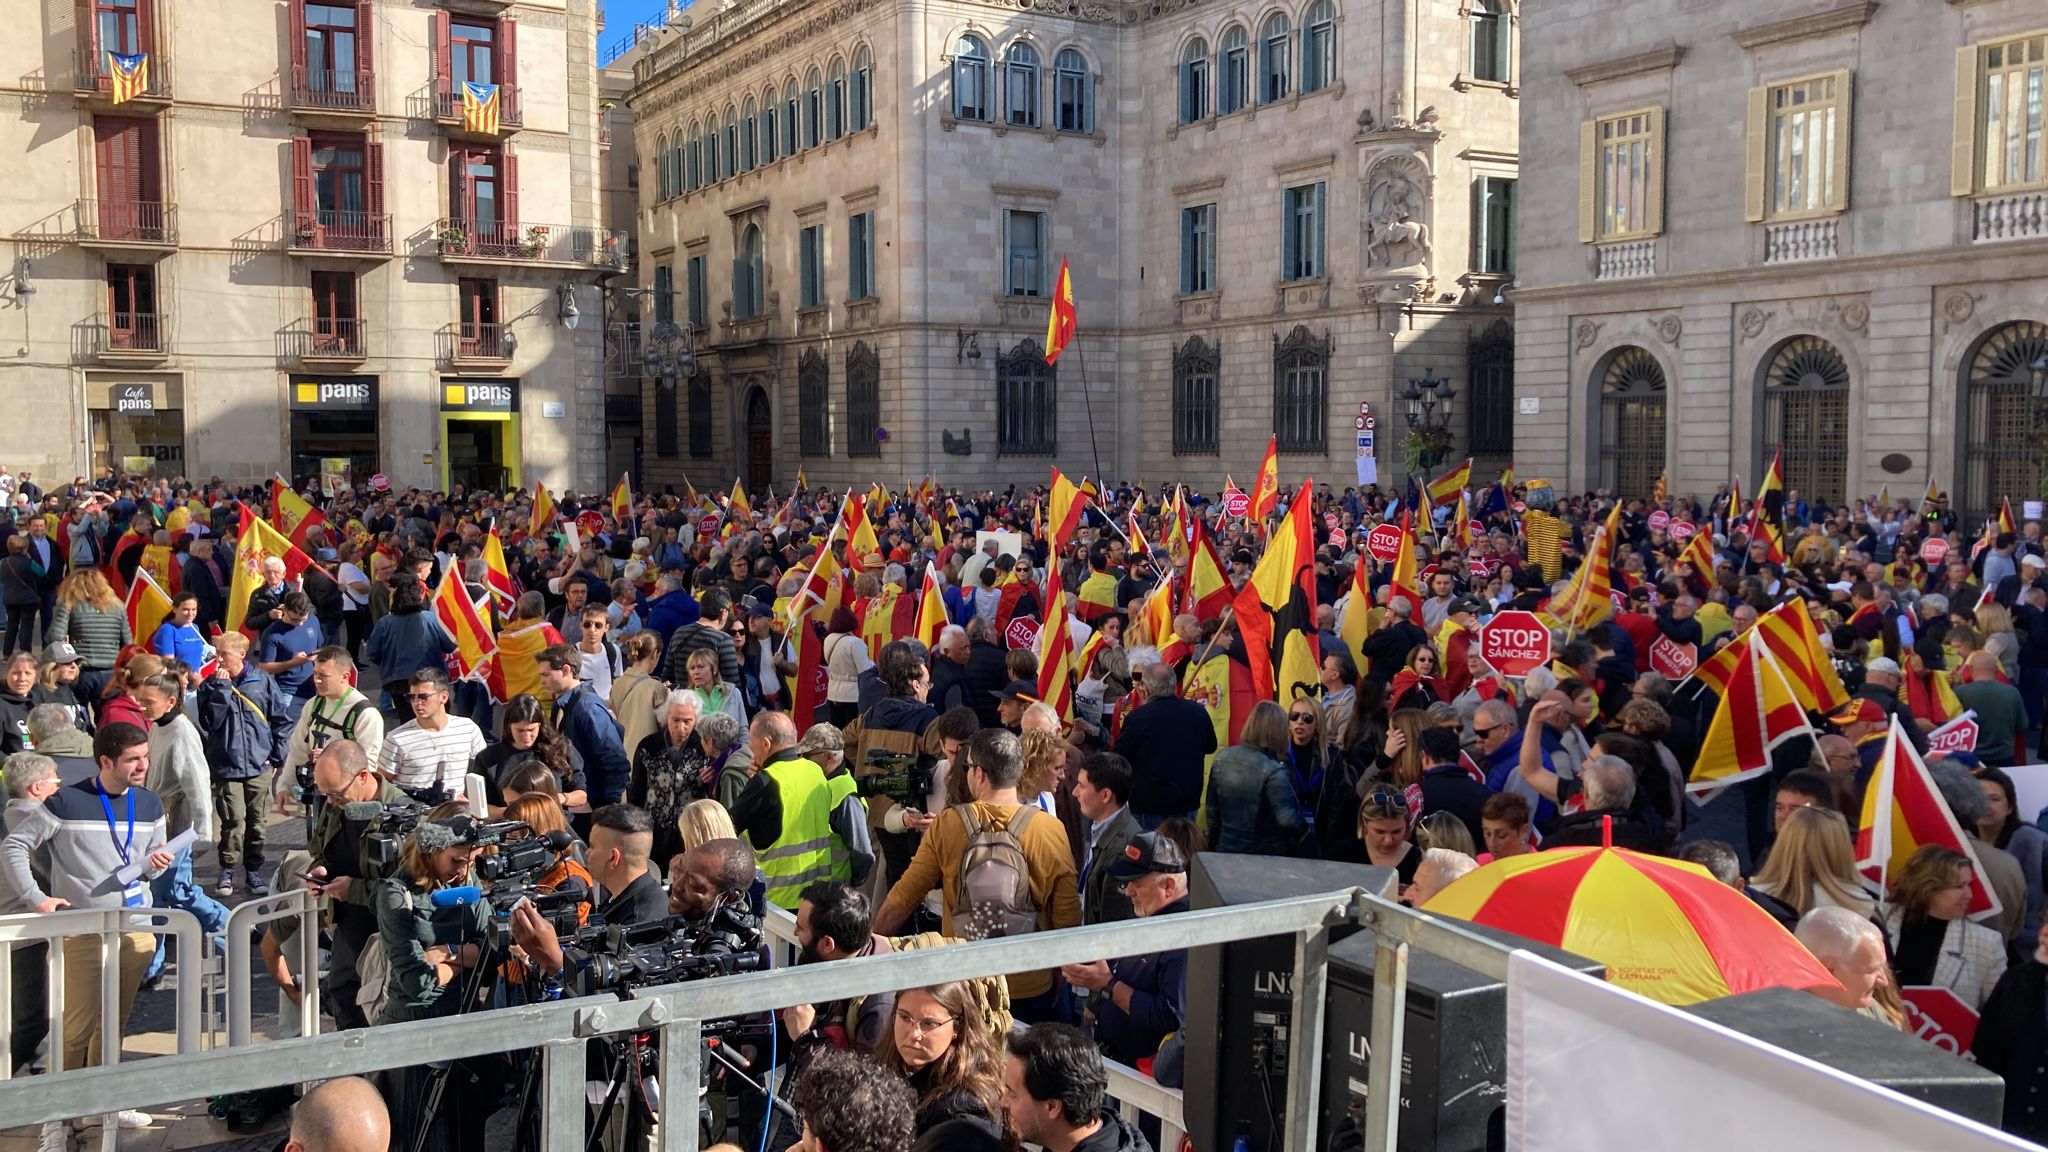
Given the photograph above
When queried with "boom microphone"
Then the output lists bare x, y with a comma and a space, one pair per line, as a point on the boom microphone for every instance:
461, 897
362, 811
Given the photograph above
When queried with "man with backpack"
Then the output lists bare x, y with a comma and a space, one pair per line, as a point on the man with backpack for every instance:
602, 661
1003, 866
336, 712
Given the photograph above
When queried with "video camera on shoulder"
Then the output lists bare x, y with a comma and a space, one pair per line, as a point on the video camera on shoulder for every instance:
397, 821
899, 776
625, 957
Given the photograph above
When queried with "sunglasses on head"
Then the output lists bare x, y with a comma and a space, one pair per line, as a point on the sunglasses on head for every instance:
1388, 801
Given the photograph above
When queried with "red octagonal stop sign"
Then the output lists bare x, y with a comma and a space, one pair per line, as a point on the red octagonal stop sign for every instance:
1022, 632
1673, 660
1939, 1017
1514, 642
1384, 542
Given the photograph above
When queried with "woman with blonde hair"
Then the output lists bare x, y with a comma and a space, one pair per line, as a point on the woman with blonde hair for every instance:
1934, 942
1399, 758
939, 1042
1251, 804
702, 821
91, 619
1813, 865
1994, 626
637, 696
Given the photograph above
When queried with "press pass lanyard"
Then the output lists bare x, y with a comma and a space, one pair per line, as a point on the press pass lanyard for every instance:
107, 804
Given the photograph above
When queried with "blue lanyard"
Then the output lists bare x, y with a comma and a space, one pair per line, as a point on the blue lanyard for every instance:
108, 805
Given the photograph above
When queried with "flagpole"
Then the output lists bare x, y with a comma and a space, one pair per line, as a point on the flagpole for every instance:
1088, 404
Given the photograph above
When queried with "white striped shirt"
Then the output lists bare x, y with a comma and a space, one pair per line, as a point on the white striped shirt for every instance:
416, 758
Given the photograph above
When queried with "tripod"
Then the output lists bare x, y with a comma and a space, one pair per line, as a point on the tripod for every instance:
437, 1074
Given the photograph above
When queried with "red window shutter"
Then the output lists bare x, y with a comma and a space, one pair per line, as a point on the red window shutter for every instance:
366, 43
298, 34
444, 72
88, 36
149, 157
145, 32
508, 193
508, 57
459, 205
305, 202
373, 177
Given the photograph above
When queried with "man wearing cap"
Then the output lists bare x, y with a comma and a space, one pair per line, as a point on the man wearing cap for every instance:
1011, 701
1881, 679
1138, 1000
68, 692
1865, 724
1454, 640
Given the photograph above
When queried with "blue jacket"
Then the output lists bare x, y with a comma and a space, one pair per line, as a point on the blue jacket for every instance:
1158, 984
403, 643
1502, 775
245, 729
1251, 805
669, 611
1166, 742
594, 732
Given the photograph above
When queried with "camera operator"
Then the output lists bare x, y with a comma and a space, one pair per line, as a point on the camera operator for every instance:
621, 836
834, 922
343, 868
431, 944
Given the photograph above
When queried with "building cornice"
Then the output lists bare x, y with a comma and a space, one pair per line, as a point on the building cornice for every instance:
1832, 270
1843, 16
1656, 60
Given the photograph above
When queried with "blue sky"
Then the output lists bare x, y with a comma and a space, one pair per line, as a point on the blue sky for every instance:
621, 15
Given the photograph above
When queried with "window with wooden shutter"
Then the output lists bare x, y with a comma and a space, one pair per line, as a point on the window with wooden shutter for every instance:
297, 8
1589, 182
1962, 163
444, 68
374, 229
1797, 144
366, 39
1622, 166
305, 203
86, 26
1756, 153
508, 70
508, 194
2009, 153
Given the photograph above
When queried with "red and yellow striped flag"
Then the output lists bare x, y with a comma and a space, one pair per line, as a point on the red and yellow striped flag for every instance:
470, 627
1448, 486
497, 573
147, 606
622, 503
1903, 811
1758, 712
931, 609
257, 542
1276, 611
1405, 582
1056, 655
127, 76
1266, 485
1065, 514
1062, 321
543, 520
1356, 622
1209, 591
1789, 632
1156, 610
1699, 552
1589, 598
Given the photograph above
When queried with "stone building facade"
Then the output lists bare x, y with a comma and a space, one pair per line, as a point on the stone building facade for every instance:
296, 253
1271, 212
1816, 226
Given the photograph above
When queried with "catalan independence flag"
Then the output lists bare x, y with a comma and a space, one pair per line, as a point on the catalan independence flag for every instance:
129, 75
480, 108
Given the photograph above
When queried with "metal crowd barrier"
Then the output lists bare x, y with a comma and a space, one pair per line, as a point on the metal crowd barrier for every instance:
561, 1028
244, 922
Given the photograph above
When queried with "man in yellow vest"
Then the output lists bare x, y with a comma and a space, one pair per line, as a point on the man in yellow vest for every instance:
785, 811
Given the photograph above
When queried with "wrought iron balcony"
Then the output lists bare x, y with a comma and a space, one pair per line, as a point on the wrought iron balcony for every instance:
94, 77
465, 344
350, 91
461, 240
317, 339
351, 233
127, 223
448, 106
124, 336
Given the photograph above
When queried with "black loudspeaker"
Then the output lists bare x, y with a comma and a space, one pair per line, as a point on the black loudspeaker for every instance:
1864, 1048
1454, 1047
1240, 997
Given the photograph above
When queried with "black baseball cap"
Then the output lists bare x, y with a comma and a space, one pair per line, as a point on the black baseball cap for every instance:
1023, 690
1146, 853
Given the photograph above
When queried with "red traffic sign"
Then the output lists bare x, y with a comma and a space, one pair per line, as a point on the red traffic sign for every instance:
1934, 550
1236, 503
1958, 735
708, 524
1330, 520
1022, 632
1514, 642
1940, 1017
1335, 539
1672, 660
1384, 542
1682, 530
1660, 520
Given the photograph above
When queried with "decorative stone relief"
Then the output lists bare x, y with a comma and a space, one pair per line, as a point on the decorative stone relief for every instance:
1959, 306
1752, 322
1397, 210
1586, 332
1855, 315
1669, 328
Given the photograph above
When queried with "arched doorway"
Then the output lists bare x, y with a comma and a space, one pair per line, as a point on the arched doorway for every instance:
2002, 417
1806, 417
760, 441
1631, 422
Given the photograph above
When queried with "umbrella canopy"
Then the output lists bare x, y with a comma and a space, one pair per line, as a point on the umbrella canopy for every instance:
1665, 929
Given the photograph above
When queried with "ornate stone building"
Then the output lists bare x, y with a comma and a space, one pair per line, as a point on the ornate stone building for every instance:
1812, 226
1272, 213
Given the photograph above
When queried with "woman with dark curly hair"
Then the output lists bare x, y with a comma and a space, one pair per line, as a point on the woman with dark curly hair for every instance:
939, 1041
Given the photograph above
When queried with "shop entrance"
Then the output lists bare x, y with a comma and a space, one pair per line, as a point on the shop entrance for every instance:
138, 428
479, 451
334, 428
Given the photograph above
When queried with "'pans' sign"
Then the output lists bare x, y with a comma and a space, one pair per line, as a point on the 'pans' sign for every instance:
479, 395
139, 398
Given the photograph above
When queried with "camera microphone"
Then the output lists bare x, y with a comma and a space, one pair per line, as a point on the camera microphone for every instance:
461, 897
362, 811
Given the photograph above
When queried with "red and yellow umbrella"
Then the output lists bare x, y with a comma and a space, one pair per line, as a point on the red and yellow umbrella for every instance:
1665, 929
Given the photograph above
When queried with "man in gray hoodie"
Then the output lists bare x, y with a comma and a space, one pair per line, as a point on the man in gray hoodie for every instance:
178, 773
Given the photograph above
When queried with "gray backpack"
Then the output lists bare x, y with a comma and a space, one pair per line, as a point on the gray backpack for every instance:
993, 897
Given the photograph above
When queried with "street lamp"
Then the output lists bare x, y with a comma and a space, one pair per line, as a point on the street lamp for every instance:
1429, 418
669, 353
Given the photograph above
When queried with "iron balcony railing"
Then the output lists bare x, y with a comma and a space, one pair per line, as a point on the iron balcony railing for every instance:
329, 231
326, 338
334, 90
116, 221
538, 243
465, 340
448, 105
95, 74
128, 333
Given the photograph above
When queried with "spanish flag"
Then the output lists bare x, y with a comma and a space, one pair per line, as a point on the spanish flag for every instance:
931, 609
1156, 610
1065, 515
1355, 624
1266, 485
480, 108
1405, 580
543, 511
497, 573
470, 628
128, 76
1447, 487
258, 541
1461, 525
1097, 597
147, 606
878, 620
2005, 520
1056, 656
291, 514
1061, 321
622, 504
1209, 591
859, 532
737, 505
1758, 712
1179, 533
1661, 492
510, 671
156, 560
1903, 811
1135, 536
799, 479
1276, 611
1770, 495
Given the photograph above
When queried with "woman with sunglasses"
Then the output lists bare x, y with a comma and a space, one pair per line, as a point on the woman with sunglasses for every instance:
939, 1041
1251, 805
1417, 684
1386, 835
1325, 785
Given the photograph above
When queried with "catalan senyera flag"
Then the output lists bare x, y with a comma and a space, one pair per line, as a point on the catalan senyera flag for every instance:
127, 75
1903, 811
1355, 624
1405, 581
543, 520
497, 573
1589, 598
622, 503
1061, 322
470, 628
1699, 552
480, 108
147, 606
1789, 632
1266, 485
1772, 536
1056, 655
931, 609
1064, 513
1450, 485
257, 542
1276, 610
1758, 712
1209, 591
291, 514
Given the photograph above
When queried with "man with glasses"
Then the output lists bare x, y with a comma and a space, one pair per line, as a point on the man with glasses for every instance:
1138, 1000
343, 870
428, 755
601, 660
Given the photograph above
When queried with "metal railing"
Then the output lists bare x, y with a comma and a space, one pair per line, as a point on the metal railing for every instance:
469, 341
116, 221
448, 105
334, 90
315, 230
125, 333
538, 243
325, 338
244, 922
94, 74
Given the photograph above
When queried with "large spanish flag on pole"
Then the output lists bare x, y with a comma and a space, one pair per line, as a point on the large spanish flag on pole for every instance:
1903, 811
1061, 321
258, 541
470, 627
1266, 486
290, 512
1356, 622
1276, 610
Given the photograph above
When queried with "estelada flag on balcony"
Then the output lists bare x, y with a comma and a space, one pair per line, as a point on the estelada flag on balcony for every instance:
1903, 811
470, 628
128, 76
291, 514
258, 542
480, 108
1061, 321
1276, 610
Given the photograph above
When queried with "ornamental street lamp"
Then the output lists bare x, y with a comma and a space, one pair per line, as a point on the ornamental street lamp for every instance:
1429, 420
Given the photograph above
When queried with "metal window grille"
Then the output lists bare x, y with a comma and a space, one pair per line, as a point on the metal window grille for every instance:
1631, 422
1806, 417
1027, 415
813, 397
700, 415
1301, 394
1490, 392
1196, 416
2003, 420
863, 400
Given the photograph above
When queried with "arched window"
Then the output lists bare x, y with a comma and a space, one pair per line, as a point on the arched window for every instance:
970, 79
863, 400
861, 111
1490, 30
2001, 414
747, 137
729, 144
695, 160
1319, 47
1027, 414
814, 107
663, 188
748, 281
1194, 81
813, 399
1020, 86
789, 116
1234, 68
1301, 391
1196, 414
1631, 421
1276, 47
1806, 417
835, 102
1074, 89
767, 122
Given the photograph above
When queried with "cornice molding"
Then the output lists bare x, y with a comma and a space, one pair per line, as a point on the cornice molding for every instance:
1656, 60
1839, 18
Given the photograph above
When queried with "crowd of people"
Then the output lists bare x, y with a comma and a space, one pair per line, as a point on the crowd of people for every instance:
652, 709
